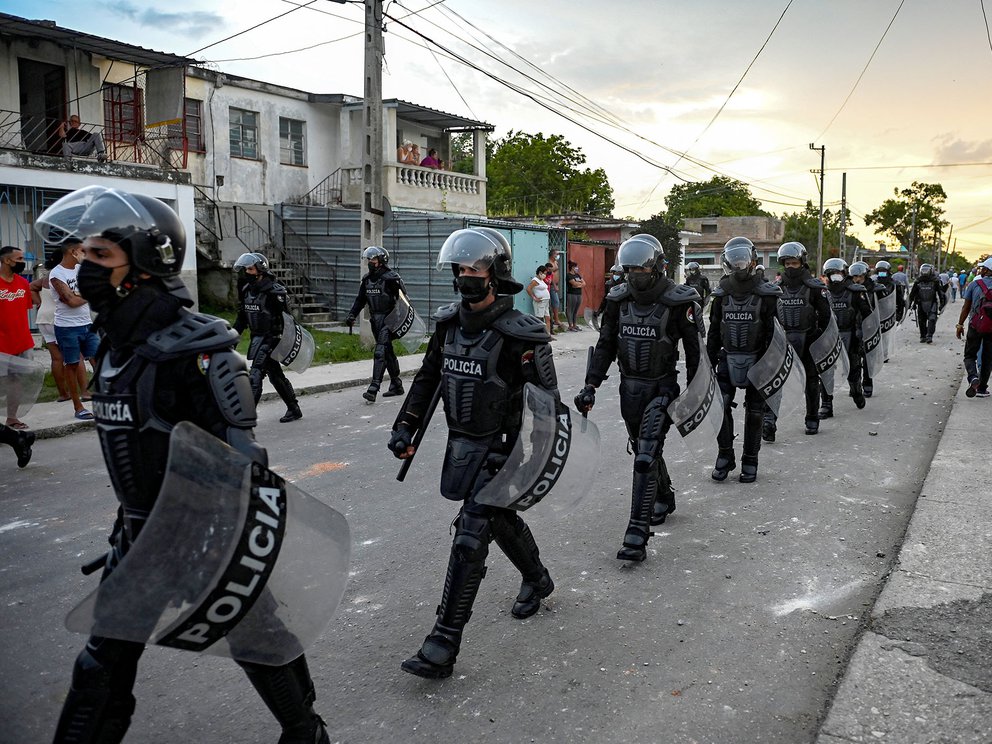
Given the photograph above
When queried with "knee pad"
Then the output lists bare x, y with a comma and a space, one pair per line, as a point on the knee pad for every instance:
644, 463
380, 352
472, 536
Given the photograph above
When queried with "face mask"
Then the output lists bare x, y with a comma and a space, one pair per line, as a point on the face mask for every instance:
18, 268
883, 274
836, 278
793, 272
250, 278
742, 275
94, 285
616, 277
473, 289
642, 282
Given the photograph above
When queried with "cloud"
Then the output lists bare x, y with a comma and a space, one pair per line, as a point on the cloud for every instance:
953, 150
190, 24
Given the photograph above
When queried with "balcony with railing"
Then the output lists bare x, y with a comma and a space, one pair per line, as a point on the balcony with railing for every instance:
414, 187
37, 141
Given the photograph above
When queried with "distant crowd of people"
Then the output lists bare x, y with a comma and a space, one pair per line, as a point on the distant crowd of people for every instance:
409, 154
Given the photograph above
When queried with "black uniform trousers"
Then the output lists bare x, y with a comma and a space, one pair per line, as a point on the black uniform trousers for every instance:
384, 357
978, 356
262, 364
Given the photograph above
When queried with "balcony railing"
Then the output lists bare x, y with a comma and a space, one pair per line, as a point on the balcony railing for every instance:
155, 146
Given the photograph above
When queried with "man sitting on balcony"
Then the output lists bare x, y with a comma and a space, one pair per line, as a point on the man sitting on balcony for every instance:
76, 141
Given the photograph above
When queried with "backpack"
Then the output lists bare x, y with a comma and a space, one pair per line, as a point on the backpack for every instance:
981, 319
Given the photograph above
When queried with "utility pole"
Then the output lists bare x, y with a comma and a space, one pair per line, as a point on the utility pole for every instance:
372, 212
947, 253
819, 229
843, 217
912, 246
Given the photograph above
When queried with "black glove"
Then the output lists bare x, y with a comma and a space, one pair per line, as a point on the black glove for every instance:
399, 440
350, 320
585, 400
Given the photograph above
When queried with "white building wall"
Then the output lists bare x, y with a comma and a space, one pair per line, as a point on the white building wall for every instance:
82, 76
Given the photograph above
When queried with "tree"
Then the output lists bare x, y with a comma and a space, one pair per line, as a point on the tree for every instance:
668, 233
721, 196
530, 174
894, 217
462, 155
803, 227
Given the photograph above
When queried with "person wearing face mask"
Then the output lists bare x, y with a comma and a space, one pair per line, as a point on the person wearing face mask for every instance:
804, 313
478, 360
928, 300
15, 335
884, 280
644, 321
159, 365
379, 290
262, 304
742, 324
860, 273
695, 278
849, 303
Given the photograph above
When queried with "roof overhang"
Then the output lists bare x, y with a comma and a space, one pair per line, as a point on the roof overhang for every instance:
49, 31
417, 114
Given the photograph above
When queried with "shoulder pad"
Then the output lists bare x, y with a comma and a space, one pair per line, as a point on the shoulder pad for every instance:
857, 288
767, 289
679, 294
516, 324
277, 289
719, 292
193, 333
619, 292
813, 282
446, 312
391, 275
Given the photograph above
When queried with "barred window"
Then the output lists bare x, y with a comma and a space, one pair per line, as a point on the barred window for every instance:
244, 133
292, 141
191, 127
123, 114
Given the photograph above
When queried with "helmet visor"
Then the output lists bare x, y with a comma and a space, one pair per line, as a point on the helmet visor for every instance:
738, 257
637, 252
468, 248
94, 211
245, 260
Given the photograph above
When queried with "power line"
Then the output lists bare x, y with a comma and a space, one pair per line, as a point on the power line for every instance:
863, 71
901, 167
252, 28
986, 19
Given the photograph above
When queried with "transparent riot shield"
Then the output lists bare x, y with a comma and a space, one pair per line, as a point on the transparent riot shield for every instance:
779, 376
557, 448
697, 414
233, 561
405, 325
871, 342
295, 349
591, 318
20, 383
830, 356
887, 322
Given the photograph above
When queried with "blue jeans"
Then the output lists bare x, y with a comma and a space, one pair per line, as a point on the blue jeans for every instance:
76, 342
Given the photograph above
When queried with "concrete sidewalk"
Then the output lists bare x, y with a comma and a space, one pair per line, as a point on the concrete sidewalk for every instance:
56, 419
922, 671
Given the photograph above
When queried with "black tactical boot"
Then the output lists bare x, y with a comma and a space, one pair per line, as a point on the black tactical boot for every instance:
749, 469
725, 462
868, 387
812, 425
395, 388
826, 409
515, 539
23, 448
859, 396
752, 445
768, 430
436, 658
643, 495
289, 693
664, 505
293, 413
371, 393
528, 601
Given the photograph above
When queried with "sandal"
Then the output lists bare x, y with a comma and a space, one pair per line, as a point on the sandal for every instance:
83, 415
19, 425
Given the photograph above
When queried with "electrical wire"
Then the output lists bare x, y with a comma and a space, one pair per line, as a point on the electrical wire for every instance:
986, 19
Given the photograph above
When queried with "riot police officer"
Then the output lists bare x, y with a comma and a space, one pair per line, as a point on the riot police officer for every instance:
742, 324
379, 289
479, 358
929, 300
883, 278
860, 273
159, 365
695, 278
849, 303
263, 302
645, 319
804, 313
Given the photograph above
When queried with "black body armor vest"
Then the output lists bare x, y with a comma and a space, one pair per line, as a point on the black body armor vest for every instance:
796, 314
260, 319
645, 350
842, 304
477, 402
380, 302
926, 294
741, 332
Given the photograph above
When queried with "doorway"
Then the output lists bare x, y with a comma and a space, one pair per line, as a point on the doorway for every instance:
43, 104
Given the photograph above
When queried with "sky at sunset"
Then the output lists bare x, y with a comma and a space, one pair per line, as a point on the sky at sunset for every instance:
897, 90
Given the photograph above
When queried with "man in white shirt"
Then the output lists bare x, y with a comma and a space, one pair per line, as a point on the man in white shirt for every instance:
73, 326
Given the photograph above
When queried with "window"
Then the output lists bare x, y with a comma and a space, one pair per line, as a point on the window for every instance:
244, 133
292, 142
708, 229
123, 113
192, 125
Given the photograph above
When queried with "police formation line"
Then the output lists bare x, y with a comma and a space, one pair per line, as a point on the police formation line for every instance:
166, 377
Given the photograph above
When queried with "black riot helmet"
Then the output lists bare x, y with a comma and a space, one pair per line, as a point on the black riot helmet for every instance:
739, 258
835, 267
926, 270
374, 251
260, 262
144, 227
642, 251
882, 268
858, 268
792, 249
482, 248
692, 268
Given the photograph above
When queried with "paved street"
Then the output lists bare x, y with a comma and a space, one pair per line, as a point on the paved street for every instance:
736, 628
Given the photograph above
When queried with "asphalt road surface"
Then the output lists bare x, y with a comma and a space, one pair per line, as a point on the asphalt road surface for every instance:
735, 629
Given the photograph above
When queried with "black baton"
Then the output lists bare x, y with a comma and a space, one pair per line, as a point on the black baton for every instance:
419, 436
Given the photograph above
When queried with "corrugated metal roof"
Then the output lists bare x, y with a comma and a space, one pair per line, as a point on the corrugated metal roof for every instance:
431, 117
50, 31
